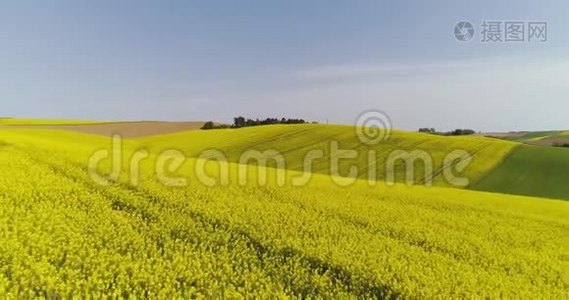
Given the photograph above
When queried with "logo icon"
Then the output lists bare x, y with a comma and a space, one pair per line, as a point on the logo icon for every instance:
373, 126
464, 31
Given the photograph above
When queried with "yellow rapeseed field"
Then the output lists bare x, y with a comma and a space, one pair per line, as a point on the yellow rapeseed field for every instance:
63, 235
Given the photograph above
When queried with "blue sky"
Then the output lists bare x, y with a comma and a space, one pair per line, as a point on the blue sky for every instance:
319, 60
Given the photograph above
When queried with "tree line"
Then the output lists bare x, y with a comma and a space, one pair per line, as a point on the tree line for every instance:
448, 133
239, 122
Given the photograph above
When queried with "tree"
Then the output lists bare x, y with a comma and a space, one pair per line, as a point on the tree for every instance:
462, 132
428, 130
239, 122
208, 125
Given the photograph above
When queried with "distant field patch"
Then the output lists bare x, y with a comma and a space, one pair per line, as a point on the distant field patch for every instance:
531, 170
537, 135
125, 129
36, 122
544, 138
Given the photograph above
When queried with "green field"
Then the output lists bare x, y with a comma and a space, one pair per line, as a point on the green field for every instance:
531, 170
62, 235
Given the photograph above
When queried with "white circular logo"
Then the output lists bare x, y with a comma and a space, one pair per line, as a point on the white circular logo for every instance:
373, 126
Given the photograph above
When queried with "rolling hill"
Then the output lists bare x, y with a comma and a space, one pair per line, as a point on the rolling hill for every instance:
295, 141
497, 165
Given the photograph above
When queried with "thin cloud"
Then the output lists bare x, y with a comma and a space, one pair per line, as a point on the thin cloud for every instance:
347, 71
